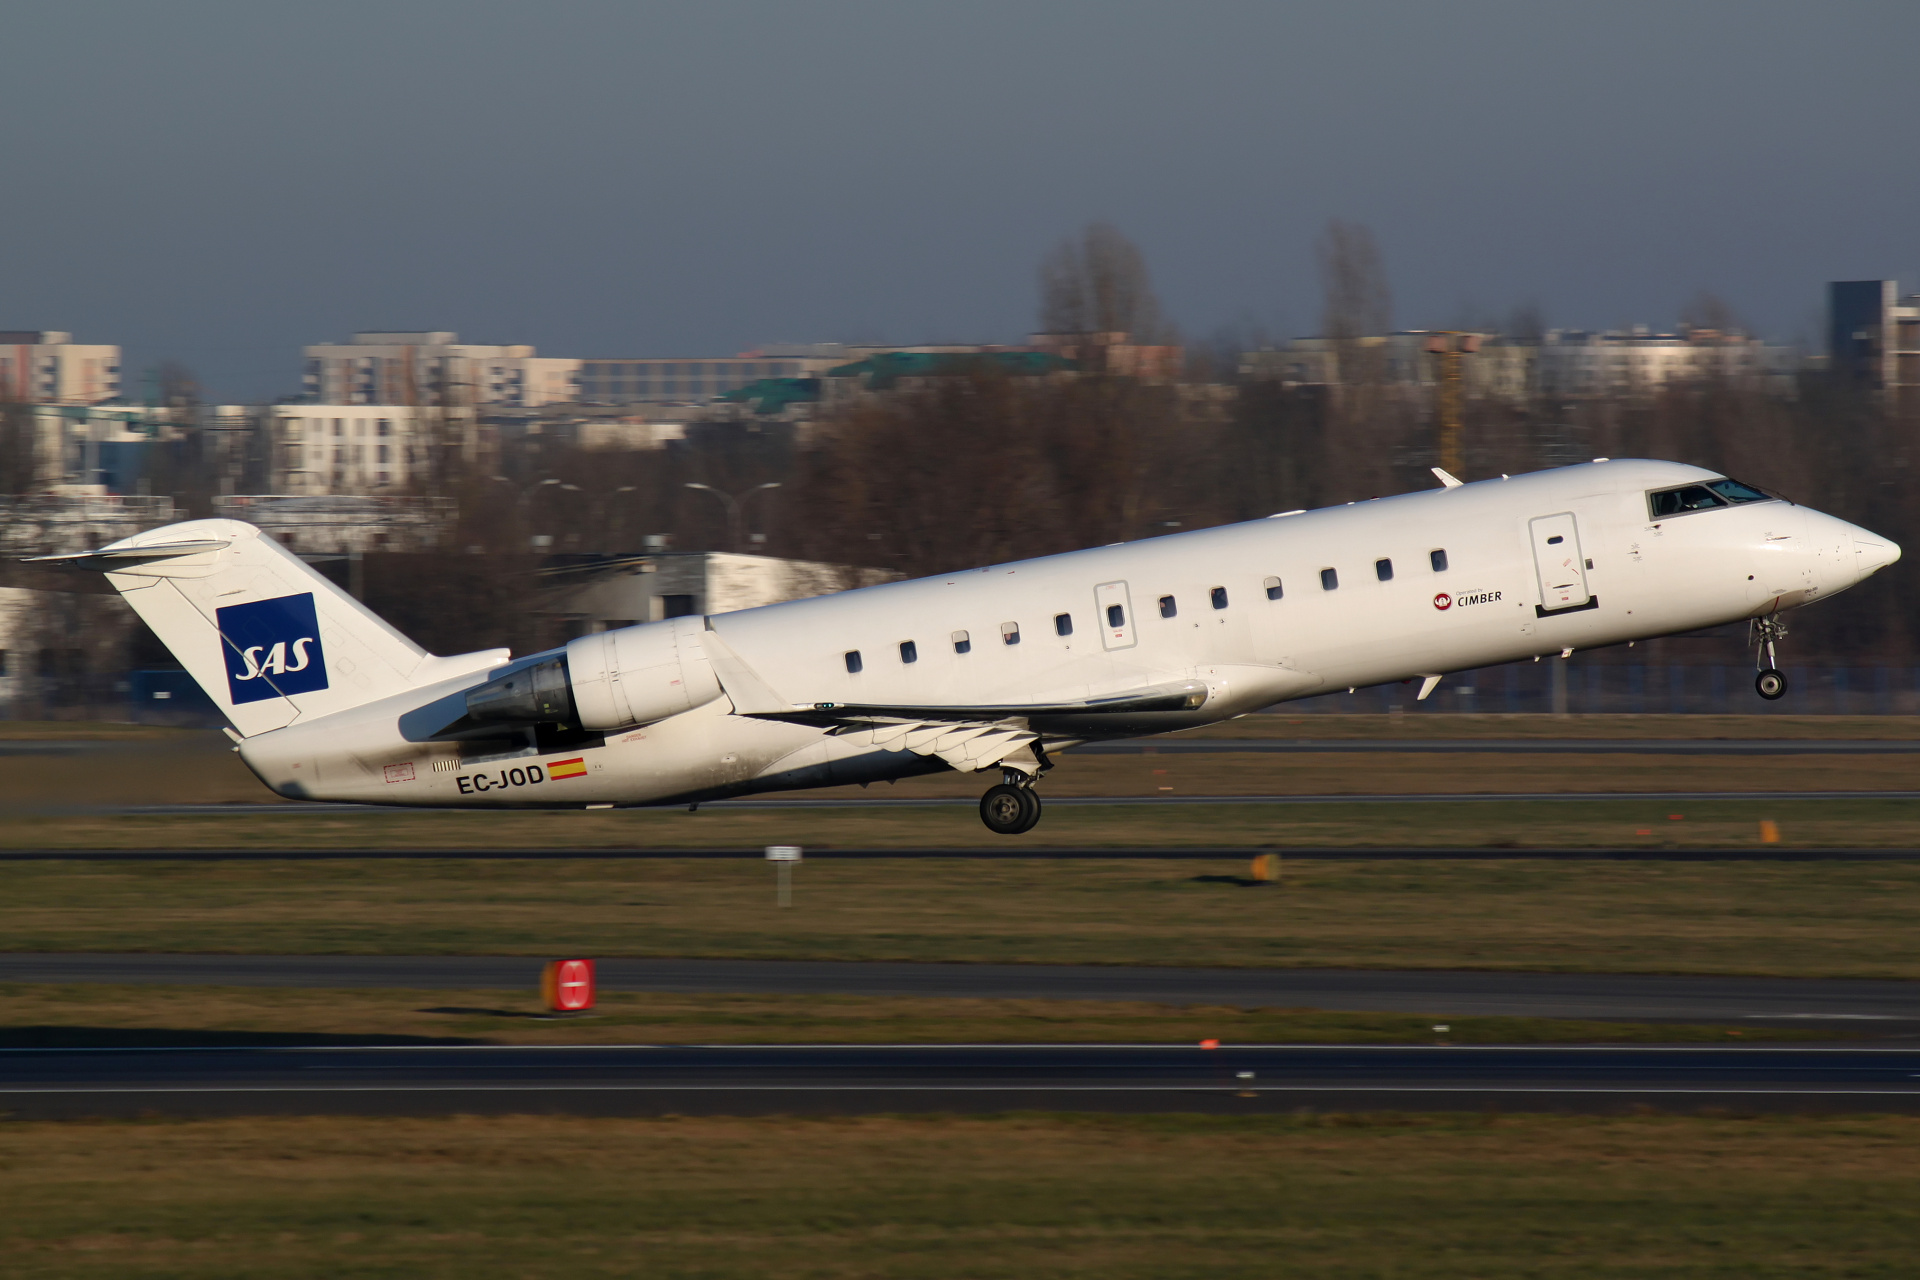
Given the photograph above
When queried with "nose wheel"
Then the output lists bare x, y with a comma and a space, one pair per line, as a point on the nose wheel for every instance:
1771, 682
1010, 808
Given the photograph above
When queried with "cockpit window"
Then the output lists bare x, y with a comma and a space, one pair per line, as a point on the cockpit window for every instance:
1734, 491
1702, 497
1674, 502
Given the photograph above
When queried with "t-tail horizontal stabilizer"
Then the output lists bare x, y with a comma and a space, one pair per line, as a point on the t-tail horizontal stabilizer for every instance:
268, 637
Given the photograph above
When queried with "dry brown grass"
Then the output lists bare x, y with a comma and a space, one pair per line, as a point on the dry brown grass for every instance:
1334, 1196
1838, 822
101, 1015
1812, 919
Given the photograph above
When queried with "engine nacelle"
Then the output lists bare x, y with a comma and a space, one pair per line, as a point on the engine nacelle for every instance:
637, 675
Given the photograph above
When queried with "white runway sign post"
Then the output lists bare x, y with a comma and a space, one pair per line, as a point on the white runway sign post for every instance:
783, 856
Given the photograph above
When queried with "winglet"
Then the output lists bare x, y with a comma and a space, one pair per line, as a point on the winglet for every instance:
1447, 479
1431, 683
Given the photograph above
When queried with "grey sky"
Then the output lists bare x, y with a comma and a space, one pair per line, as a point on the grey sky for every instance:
220, 182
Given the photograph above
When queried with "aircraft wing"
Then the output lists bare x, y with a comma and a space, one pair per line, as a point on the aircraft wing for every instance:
1183, 695
975, 737
966, 737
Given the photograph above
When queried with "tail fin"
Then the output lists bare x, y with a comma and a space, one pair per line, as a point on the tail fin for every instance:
269, 639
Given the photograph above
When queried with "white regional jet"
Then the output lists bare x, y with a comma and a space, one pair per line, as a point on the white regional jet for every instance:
987, 670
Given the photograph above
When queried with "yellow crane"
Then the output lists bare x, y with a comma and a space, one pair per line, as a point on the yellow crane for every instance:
1450, 345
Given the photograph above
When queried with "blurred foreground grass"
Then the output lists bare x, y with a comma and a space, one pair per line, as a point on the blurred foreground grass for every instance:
1784, 918
90, 1015
1029, 1195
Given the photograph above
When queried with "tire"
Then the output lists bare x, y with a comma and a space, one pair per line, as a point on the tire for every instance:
1008, 811
1770, 684
1032, 820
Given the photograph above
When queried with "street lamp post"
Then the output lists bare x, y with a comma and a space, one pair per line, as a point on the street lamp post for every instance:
733, 503
524, 499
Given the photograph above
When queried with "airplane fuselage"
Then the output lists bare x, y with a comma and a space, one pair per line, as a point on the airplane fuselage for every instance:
1250, 614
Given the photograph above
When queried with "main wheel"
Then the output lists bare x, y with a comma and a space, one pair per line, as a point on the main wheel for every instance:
1009, 810
1032, 798
1770, 684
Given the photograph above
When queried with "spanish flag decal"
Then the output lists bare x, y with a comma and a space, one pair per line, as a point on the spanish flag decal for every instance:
574, 768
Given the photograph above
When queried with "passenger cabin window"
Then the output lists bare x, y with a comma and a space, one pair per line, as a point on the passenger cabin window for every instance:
1329, 579
1116, 616
1010, 633
1167, 607
962, 642
1063, 624
1219, 597
1438, 559
853, 662
1383, 570
1273, 588
909, 652
1702, 497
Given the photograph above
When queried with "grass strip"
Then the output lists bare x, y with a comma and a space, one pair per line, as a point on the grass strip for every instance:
1836, 822
86, 1015
1847, 919
1412, 1197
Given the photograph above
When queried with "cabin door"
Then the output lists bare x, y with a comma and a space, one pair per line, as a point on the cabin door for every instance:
1560, 563
1115, 608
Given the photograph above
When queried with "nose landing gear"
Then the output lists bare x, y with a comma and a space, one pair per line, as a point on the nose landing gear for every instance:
1770, 683
1011, 807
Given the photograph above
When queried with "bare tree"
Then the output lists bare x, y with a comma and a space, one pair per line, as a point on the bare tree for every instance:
1356, 314
1098, 283
1708, 310
19, 446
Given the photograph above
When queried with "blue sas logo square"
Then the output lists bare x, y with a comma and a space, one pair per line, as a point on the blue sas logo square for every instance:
272, 648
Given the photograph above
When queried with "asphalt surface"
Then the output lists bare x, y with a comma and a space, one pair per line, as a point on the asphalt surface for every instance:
893, 1078
1849, 1004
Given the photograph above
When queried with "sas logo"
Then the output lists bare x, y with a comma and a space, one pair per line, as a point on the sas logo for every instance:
273, 648
1443, 602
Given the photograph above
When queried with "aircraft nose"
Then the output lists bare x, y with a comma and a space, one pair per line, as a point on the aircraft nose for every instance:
1872, 553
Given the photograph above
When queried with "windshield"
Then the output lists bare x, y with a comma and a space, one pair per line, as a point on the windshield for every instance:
1734, 491
1702, 497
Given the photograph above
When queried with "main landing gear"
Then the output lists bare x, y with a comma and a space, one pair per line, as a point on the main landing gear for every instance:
1770, 683
1013, 806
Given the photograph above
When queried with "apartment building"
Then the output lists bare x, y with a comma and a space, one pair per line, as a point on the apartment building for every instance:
360, 448
1873, 337
42, 366
434, 368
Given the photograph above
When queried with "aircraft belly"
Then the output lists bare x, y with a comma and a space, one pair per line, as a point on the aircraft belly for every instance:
697, 751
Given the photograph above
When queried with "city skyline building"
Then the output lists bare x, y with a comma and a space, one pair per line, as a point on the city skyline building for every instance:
46, 366
433, 367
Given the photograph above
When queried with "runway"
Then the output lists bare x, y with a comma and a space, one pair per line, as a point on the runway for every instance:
947, 1078
1849, 1004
